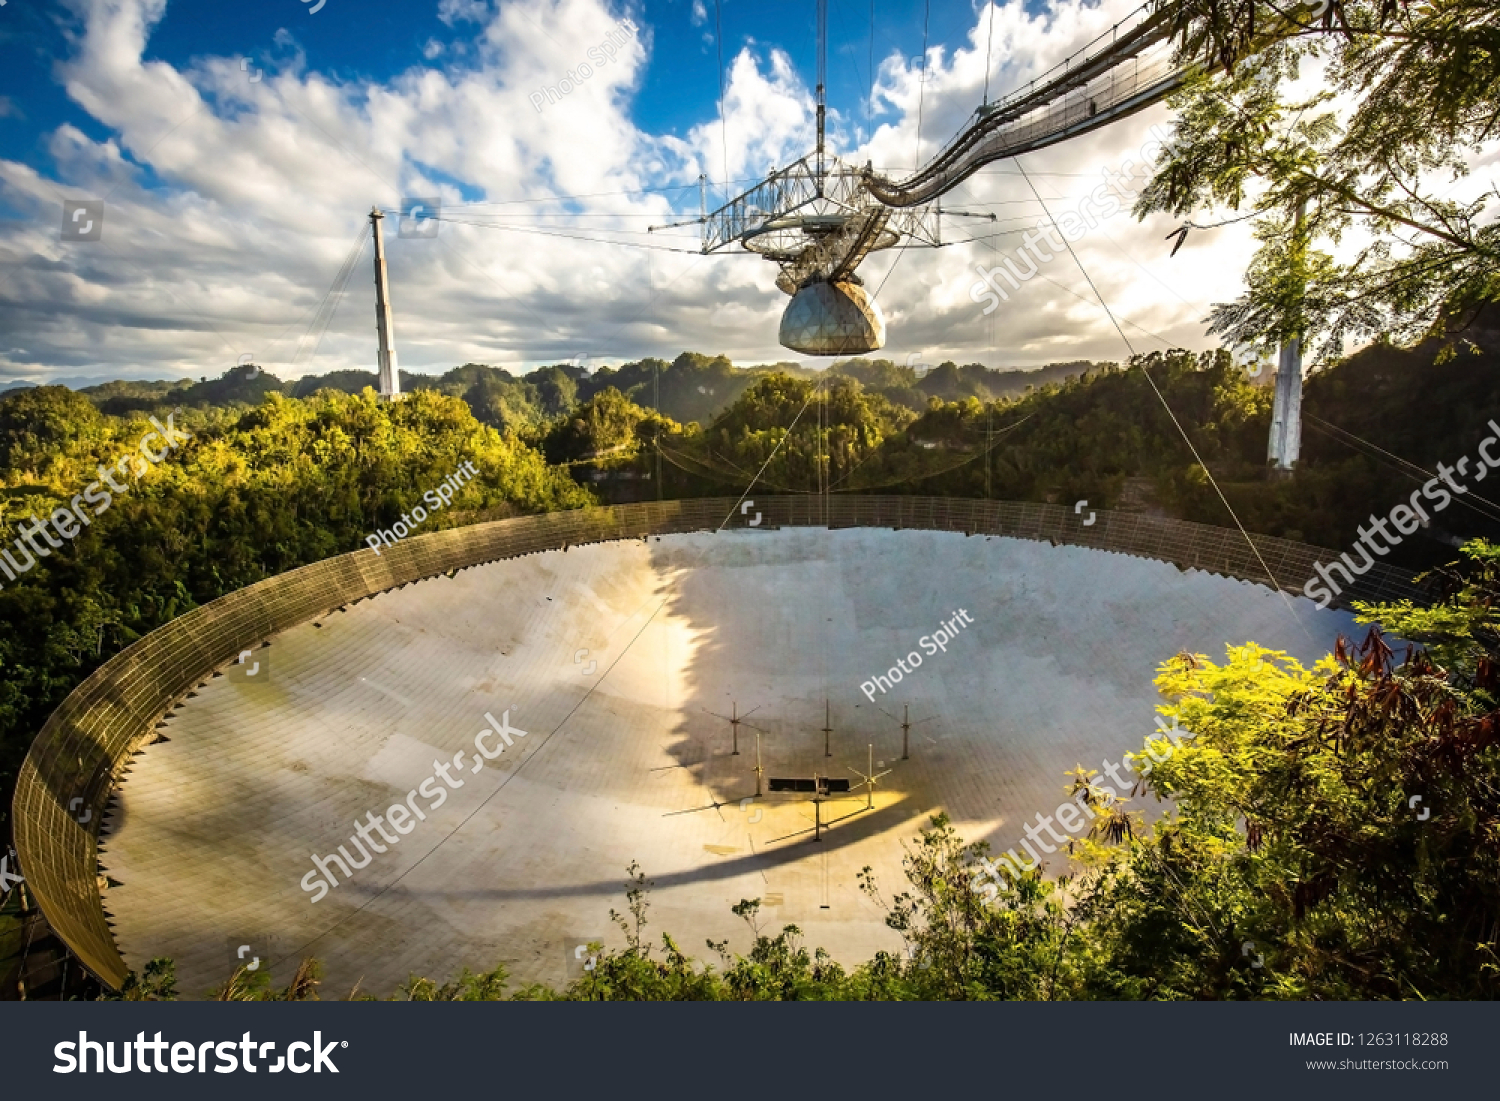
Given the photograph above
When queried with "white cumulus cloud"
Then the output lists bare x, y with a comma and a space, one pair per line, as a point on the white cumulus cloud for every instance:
231, 204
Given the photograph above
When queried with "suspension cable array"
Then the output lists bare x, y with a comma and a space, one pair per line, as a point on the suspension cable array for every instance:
818, 218
1106, 82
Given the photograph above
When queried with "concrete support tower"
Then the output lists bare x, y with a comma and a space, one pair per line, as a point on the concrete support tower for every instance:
390, 376
1286, 413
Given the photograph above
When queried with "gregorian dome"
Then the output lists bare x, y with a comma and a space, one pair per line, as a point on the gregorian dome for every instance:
832, 319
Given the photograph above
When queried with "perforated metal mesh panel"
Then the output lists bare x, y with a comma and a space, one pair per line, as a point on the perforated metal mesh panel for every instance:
69, 775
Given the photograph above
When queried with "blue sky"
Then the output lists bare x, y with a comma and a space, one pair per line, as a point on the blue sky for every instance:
232, 202
377, 40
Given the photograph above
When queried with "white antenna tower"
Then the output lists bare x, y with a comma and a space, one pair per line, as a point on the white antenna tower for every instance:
870, 778
735, 721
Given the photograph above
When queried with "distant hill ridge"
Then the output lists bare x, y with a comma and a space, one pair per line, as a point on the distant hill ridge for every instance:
692, 387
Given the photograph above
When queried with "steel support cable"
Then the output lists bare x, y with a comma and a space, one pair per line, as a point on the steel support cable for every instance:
1067, 78
931, 474
1173, 416
1039, 132
341, 280
906, 477
589, 195
723, 123
511, 775
866, 243
989, 41
1404, 466
573, 236
1096, 304
686, 462
950, 166
1065, 66
731, 473
741, 471
1342, 432
922, 86
822, 91
323, 317
620, 214
488, 221
1038, 135
733, 476
312, 314
785, 436
1163, 341
904, 245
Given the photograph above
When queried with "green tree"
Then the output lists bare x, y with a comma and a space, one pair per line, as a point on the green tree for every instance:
607, 425
1420, 86
1336, 835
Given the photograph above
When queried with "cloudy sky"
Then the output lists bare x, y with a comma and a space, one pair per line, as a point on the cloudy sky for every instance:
239, 148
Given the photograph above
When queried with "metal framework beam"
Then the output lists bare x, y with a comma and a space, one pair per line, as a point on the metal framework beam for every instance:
777, 216
1110, 81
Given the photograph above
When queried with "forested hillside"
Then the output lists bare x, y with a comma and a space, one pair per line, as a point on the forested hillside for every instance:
1375, 428
270, 480
692, 387
254, 492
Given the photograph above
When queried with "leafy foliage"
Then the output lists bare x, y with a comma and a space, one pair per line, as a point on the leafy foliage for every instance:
157, 983
255, 492
1412, 93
